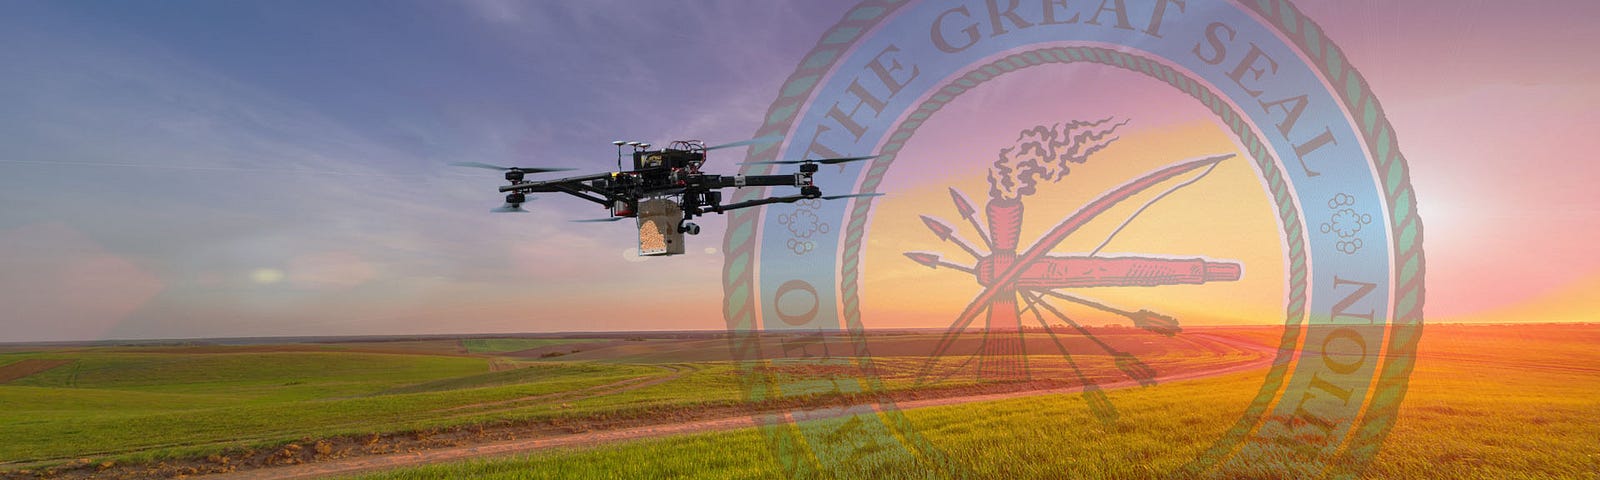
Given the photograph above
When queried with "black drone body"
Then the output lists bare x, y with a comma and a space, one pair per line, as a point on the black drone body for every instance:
665, 189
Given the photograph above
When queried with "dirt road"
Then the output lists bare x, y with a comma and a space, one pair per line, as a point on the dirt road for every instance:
346, 466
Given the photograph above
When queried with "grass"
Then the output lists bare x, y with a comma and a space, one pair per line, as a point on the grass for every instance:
736, 455
1500, 403
121, 404
982, 439
505, 345
1484, 403
140, 404
526, 373
1157, 429
275, 376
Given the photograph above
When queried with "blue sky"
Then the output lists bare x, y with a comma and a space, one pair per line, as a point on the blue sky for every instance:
205, 168
185, 151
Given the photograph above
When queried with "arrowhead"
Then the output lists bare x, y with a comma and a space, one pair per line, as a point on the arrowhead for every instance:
962, 204
926, 259
939, 228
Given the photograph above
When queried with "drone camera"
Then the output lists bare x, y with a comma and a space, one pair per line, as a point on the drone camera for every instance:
689, 228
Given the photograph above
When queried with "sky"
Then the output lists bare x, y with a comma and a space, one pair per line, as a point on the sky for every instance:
197, 169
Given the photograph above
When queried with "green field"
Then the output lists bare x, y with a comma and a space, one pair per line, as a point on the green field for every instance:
1485, 403
503, 345
219, 407
1042, 437
139, 404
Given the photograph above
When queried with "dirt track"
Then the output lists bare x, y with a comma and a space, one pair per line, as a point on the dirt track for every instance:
359, 464
25, 368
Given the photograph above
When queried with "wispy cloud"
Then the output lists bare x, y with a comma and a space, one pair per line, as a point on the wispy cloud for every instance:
206, 181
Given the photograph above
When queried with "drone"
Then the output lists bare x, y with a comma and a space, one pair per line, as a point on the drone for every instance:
666, 189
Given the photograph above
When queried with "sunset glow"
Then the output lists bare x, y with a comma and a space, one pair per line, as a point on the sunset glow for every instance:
159, 183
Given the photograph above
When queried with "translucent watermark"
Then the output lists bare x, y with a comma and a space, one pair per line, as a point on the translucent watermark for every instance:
1297, 115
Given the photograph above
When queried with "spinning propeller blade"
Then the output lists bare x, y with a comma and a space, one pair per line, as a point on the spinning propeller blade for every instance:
774, 138
851, 195
593, 220
823, 161
503, 169
509, 208
479, 165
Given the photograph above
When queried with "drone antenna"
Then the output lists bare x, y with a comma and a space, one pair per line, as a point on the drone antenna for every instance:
619, 144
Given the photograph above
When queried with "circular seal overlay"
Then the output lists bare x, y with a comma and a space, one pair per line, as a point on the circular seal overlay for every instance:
1300, 116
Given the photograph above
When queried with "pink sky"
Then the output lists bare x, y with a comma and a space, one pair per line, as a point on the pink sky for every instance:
160, 183
1497, 107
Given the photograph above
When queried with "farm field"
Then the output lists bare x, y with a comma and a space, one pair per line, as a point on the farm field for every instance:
183, 409
1485, 402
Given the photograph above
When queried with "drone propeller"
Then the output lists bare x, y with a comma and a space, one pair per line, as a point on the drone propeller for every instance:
507, 169
851, 195
509, 208
595, 220
774, 138
824, 161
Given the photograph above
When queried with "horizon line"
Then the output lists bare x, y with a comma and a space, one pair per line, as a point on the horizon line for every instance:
356, 338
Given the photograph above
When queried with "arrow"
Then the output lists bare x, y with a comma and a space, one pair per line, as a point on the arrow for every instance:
964, 207
939, 228
1145, 319
1126, 362
933, 261
1098, 403
947, 233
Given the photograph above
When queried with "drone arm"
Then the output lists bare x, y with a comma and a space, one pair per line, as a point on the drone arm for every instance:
741, 181
582, 194
550, 185
753, 203
792, 180
576, 186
